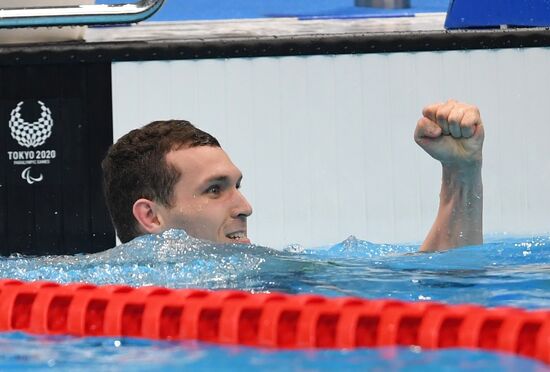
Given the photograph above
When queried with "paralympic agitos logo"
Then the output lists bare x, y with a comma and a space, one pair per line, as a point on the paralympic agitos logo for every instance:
31, 134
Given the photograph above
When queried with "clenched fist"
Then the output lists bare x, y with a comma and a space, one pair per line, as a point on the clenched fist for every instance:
451, 132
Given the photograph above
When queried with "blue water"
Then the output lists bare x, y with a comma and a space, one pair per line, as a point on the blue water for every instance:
20, 351
502, 272
509, 272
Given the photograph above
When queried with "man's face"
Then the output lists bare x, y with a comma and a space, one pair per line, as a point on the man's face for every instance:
207, 202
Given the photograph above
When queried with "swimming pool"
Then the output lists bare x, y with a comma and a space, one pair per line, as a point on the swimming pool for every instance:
502, 272
505, 272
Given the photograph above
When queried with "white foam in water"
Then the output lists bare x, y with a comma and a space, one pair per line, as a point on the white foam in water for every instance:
509, 272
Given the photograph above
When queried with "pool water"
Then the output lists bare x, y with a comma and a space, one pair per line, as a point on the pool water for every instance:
20, 351
502, 272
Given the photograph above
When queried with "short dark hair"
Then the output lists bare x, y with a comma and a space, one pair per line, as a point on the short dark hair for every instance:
135, 167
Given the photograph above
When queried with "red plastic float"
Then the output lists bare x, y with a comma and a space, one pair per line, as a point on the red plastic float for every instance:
273, 320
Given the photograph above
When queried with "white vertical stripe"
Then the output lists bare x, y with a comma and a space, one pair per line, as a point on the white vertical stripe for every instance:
320, 93
295, 155
378, 183
182, 90
266, 110
348, 178
125, 95
536, 131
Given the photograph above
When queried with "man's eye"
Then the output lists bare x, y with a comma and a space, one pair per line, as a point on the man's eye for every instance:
214, 189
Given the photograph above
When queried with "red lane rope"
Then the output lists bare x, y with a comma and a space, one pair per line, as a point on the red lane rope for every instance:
273, 320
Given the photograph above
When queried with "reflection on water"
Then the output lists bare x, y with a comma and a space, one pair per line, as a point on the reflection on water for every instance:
23, 352
508, 272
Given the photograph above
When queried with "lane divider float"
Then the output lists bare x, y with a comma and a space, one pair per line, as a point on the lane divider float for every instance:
272, 320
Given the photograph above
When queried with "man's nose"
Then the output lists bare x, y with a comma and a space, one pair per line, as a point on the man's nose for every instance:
242, 206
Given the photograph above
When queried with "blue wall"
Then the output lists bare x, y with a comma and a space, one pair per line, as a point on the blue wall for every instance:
216, 9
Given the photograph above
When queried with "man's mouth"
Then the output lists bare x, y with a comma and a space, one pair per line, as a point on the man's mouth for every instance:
238, 237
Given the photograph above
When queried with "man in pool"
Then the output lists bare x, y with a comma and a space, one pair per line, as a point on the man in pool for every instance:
170, 174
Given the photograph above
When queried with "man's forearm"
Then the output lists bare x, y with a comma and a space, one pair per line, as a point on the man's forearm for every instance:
459, 219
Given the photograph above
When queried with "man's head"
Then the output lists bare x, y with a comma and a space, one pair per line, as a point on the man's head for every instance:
170, 174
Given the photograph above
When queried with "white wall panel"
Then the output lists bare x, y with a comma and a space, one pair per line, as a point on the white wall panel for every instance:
296, 182
378, 175
326, 142
350, 154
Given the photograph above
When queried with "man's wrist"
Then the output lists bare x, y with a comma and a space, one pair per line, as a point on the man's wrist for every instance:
462, 172
461, 183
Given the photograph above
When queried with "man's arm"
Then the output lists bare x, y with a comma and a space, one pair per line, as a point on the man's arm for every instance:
452, 132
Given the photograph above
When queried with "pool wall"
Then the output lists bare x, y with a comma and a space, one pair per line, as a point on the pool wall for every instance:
326, 142
318, 114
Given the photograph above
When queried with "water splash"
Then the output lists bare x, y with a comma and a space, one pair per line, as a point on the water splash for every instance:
498, 273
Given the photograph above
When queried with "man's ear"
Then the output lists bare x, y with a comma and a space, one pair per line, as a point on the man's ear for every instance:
146, 212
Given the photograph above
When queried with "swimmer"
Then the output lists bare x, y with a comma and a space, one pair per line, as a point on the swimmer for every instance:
170, 174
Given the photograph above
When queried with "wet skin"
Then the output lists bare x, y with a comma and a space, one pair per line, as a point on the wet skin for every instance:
207, 202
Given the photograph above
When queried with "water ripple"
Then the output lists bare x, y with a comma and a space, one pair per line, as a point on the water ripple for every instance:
507, 272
